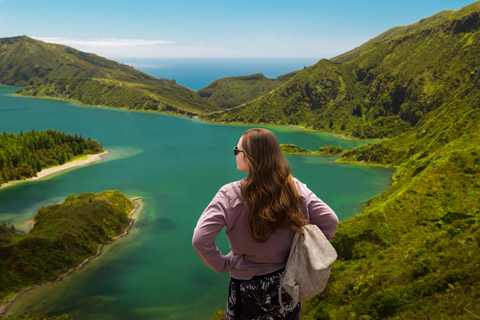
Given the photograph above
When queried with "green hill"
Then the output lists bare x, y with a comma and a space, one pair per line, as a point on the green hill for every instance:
382, 90
233, 91
414, 251
57, 71
390, 34
63, 236
23, 155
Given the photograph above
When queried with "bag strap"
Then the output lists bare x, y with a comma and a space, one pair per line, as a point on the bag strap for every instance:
293, 247
294, 303
296, 292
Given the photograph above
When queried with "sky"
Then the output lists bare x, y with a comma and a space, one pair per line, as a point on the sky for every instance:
213, 28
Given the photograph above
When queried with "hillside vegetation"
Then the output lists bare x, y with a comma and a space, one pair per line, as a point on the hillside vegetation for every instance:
23, 155
414, 252
57, 71
381, 90
63, 236
233, 91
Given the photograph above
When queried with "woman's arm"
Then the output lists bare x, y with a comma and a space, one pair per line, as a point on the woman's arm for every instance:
208, 226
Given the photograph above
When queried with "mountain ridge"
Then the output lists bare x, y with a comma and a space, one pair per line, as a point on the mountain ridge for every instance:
230, 92
376, 94
57, 71
390, 34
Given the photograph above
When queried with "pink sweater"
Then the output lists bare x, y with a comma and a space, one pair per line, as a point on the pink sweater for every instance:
228, 210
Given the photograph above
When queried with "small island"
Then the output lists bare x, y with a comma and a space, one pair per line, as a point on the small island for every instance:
324, 150
64, 237
293, 149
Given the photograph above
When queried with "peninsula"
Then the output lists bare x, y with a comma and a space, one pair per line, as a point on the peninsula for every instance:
35, 155
88, 159
64, 238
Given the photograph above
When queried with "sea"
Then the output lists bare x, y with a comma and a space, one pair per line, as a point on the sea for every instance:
198, 73
176, 165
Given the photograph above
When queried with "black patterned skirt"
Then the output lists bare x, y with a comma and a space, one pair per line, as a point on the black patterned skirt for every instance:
257, 299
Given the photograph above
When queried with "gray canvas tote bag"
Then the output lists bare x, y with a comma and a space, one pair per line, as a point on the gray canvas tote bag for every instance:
308, 266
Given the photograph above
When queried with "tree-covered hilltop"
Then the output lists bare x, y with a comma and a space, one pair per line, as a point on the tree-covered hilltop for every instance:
63, 236
57, 71
233, 91
25, 154
382, 89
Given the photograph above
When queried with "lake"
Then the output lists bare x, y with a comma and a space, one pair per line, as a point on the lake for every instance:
176, 165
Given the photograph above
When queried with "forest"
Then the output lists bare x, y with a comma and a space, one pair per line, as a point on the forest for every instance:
25, 154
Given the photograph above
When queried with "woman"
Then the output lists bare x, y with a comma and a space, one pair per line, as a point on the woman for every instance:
260, 214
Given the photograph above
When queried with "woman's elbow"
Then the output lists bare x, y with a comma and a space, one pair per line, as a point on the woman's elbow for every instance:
196, 240
336, 222
333, 228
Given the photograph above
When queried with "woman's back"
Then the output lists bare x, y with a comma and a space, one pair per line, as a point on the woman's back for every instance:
255, 258
259, 214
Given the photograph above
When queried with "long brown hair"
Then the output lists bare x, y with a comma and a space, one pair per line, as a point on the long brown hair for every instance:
268, 191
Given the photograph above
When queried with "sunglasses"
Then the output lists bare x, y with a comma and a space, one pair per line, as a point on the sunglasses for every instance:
236, 150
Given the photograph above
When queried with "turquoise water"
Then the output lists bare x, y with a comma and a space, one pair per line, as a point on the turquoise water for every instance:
176, 165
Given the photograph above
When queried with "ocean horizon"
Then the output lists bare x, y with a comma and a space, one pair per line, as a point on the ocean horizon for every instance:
197, 73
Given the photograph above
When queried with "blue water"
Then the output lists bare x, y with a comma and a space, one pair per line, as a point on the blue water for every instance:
198, 73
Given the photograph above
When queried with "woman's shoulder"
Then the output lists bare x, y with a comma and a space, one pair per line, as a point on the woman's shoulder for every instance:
232, 184
302, 188
232, 198
298, 183
232, 189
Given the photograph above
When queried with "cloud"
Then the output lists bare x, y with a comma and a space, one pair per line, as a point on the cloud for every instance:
233, 48
112, 48
104, 43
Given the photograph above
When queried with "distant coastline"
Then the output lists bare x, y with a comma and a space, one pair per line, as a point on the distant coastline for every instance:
91, 158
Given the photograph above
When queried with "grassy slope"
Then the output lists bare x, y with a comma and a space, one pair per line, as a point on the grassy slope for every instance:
61, 72
414, 252
390, 34
62, 237
233, 91
386, 89
416, 246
